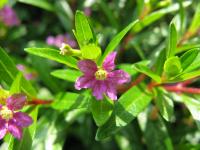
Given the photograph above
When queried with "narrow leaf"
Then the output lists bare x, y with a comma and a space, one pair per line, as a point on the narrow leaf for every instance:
172, 41
53, 55
116, 40
83, 31
66, 74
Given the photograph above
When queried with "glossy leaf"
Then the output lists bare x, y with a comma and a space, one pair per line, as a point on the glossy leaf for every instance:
165, 105
144, 69
194, 107
83, 31
156, 15
66, 74
172, 41
69, 100
127, 108
188, 57
91, 51
16, 85
172, 66
101, 110
131, 104
156, 135
53, 55
195, 21
9, 71
44, 4
187, 76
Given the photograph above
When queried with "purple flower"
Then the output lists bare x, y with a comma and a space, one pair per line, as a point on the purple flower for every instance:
27, 74
88, 11
59, 39
102, 80
9, 17
20, 67
12, 121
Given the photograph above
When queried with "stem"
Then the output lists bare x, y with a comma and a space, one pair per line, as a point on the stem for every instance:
178, 89
39, 102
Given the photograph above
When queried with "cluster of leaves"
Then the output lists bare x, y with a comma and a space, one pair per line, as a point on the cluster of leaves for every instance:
146, 114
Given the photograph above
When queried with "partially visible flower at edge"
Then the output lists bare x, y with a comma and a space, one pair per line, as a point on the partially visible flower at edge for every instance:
59, 39
9, 17
12, 121
102, 80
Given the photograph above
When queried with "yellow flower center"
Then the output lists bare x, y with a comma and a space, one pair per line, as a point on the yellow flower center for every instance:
6, 113
101, 74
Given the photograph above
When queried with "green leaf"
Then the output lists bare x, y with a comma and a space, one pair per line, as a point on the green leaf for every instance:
156, 135
9, 71
67, 74
43, 68
131, 104
172, 41
53, 55
28, 134
144, 69
188, 57
108, 13
116, 40
194, 107
172, 66
194, 65
165, 105
195, 21
2, 3
156, 15
44, 4
83, 31
127, 68
69, 100
101, 110
91, 51
16, 85
126, 109
186, 76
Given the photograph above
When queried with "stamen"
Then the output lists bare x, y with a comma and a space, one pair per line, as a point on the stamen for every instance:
6, 113
101, 74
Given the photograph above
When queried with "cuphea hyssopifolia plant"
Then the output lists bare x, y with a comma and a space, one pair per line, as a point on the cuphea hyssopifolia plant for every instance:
11, 119
98, 74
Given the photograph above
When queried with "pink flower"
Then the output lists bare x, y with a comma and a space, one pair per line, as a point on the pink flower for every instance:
12, 121
59, 39
8, 16
27, 74
102, 80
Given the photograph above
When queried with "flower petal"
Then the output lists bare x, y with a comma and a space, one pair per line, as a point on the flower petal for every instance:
15, 130
88, 67
22, 119
119, 77
84, 82
99, 89
3, 128
109, 62
16, 101
111, 91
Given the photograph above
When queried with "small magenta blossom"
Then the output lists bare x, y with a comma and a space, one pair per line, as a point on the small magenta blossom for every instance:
102, 80
9, 17
59, 39
12, 121
27, 74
